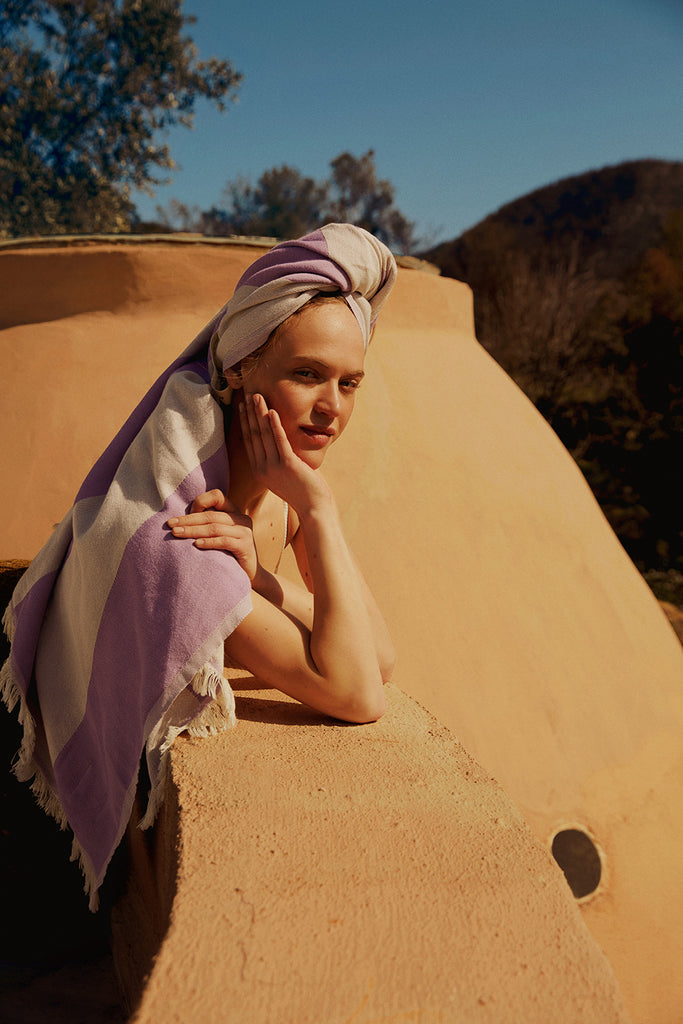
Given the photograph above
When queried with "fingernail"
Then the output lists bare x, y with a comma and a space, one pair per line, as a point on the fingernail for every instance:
179, 529
172, 522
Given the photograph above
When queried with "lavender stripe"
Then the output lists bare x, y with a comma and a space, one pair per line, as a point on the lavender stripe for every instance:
306, 261
149, 631
282, 255
28, 615
321, 273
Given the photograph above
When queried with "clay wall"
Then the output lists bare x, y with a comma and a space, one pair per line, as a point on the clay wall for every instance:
520, 622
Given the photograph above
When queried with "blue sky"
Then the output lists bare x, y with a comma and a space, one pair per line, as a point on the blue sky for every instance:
467, 104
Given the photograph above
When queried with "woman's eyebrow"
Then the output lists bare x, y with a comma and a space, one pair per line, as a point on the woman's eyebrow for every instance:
314, 361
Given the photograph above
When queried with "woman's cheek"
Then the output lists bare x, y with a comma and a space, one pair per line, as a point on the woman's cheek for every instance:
346, 415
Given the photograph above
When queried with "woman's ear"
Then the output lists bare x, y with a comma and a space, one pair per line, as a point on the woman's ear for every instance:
233, 375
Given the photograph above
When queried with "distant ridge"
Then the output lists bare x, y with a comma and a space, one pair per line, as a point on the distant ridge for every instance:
578, 294
617, 212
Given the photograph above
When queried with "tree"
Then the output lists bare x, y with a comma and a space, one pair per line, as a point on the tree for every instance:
541, 317
359, 197
285, 204
282, 204
86, 88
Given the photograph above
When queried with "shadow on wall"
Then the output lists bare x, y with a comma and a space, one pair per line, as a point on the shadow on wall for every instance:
56, 966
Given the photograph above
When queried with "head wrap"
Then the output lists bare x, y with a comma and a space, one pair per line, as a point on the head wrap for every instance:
335, 258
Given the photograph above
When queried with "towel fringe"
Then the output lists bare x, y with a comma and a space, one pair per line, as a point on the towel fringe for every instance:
26, 770
90, 882
218, 716
45, 795
207, 682
9, 691
24, 767
12, 695
8, 623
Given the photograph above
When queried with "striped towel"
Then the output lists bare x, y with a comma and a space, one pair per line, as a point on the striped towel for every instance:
117, 628
335, 258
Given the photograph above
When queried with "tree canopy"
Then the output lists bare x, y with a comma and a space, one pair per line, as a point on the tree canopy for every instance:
285, 204
86, 89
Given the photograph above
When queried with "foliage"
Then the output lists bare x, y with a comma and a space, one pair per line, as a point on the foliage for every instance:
359, 197
541, 320
285, 204
86, 88
578, 292
282, 204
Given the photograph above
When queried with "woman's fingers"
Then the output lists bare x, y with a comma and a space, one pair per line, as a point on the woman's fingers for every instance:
258, 434
259, 430
249, 433
212, 499
220, 531
280, 439
202, 524
209, 529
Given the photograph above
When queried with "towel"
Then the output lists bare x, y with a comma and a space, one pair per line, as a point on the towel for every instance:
336, 258
117, 628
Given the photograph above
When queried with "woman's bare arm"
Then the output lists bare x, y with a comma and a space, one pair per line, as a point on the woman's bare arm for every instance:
384, 648
331, 666
215, 523
339, 673
320, 649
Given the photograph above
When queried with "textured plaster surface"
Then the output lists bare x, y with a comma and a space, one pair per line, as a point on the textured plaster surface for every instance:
519, 621
332, 873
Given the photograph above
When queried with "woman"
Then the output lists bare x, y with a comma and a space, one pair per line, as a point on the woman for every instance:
331, 651
169, 553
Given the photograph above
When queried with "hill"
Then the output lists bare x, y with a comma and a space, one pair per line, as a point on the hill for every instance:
578, 293
616, 213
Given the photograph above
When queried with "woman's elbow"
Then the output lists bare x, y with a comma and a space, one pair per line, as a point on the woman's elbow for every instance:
386, 661
364, 715
363, 709
374, 710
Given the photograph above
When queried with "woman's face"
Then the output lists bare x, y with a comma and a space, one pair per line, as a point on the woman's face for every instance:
309, 374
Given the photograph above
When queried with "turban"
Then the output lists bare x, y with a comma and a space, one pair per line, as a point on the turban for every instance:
336, 258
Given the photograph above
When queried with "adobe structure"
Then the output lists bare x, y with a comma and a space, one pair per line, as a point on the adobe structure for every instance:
521, 626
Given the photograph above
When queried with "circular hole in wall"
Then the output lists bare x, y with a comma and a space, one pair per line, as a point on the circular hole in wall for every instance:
578, 856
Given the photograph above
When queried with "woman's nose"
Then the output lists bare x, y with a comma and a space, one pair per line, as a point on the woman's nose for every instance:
327, 399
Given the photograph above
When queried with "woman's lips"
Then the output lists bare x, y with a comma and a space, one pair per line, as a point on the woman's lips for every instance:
319, 436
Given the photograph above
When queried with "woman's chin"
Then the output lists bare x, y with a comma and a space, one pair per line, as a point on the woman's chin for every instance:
311, 452
312, 459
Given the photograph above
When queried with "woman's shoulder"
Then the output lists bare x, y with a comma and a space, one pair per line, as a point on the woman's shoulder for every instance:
292, 524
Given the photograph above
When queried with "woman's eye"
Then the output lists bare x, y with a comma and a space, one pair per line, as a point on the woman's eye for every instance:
304, 374
349, 385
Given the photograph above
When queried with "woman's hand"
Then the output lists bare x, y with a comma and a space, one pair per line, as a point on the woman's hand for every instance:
274, 463
214, 523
